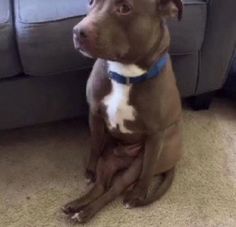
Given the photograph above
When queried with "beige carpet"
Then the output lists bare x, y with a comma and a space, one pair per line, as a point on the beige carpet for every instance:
41, 168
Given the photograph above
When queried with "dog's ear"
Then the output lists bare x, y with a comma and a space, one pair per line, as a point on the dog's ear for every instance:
171, 8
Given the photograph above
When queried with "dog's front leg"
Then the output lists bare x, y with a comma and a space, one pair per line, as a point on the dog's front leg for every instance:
153, 149
98, 141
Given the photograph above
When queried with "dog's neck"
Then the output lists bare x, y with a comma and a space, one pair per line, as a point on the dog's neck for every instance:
159, 49
144, 64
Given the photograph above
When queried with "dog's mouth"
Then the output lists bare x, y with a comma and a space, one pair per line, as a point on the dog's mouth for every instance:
85, 53
97, 54
93, 50
83, 48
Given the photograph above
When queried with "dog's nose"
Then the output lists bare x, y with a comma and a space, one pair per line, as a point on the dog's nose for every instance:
84, 35
80, 33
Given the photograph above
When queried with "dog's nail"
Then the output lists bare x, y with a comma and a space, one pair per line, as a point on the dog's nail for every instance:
127, 206
88, 181
75, 217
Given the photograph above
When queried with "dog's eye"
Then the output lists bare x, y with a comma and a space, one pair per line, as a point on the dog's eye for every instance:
91, 2
124, 9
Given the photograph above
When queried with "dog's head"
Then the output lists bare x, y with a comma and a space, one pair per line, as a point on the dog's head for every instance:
123, 30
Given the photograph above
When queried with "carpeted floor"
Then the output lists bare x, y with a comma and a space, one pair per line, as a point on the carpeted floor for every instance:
41, 168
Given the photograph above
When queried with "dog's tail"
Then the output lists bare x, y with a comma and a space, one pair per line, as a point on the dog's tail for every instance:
160, 189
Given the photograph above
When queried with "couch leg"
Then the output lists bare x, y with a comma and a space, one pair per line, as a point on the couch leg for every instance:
201, 102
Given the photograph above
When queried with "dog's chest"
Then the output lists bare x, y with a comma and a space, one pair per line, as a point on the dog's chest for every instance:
118, 108
117, 103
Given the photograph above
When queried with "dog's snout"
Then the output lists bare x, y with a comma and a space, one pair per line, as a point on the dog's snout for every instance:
85, 35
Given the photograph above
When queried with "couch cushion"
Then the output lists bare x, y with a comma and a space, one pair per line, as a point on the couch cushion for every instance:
4, 11
9, 64
44, 31
32, 100
30, 11
187, 35
186, 76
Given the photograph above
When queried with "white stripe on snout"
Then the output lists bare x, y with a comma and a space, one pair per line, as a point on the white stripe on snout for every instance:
117, 102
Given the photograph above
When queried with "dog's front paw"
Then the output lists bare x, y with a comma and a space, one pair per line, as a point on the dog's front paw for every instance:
82, 216
135, 197
72, 207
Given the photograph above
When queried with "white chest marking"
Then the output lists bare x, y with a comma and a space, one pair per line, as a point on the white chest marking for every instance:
125, 70
118, 108
117, 102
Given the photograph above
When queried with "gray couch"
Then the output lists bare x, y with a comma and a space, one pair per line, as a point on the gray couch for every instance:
43, 79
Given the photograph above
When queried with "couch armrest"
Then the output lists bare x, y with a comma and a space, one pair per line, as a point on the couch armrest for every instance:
218, 45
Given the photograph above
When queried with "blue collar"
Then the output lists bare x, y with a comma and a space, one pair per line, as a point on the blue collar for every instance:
154, 71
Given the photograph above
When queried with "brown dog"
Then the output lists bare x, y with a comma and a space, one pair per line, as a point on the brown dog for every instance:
135, 109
